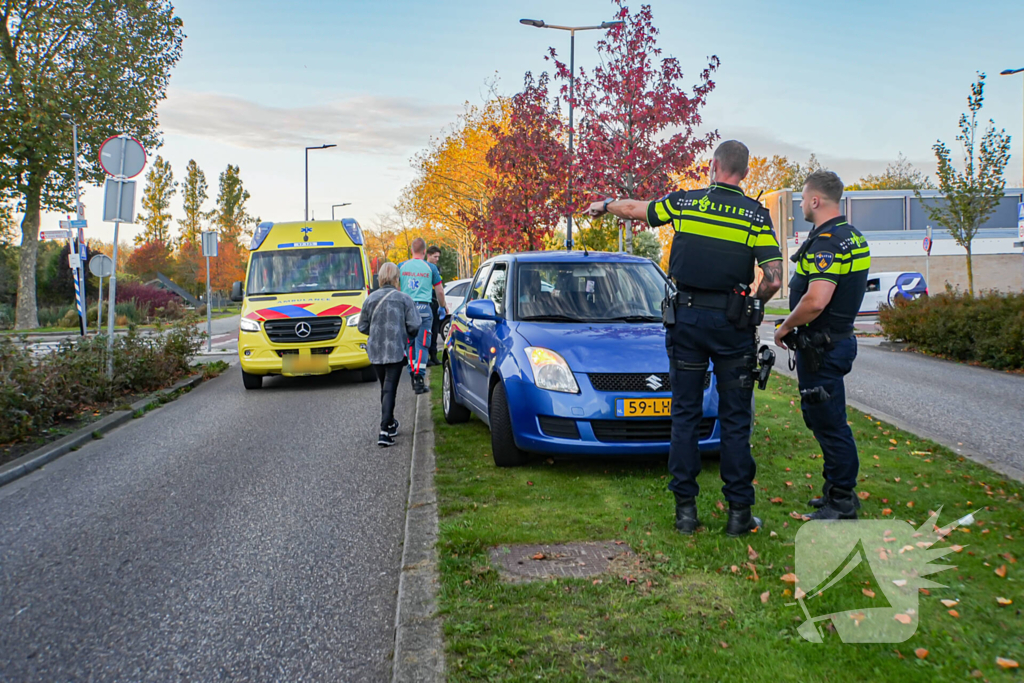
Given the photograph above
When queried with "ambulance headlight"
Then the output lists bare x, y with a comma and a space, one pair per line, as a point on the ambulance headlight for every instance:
247, 325
352, 320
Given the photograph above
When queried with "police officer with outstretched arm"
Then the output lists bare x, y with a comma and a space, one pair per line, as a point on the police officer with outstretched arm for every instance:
720, 234
825, 295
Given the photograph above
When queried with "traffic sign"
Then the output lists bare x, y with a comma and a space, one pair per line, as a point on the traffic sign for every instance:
101, 265
122, 155
210, 243
123, 190
1020, 220
927, 245
74, 261
55, 234
78, 224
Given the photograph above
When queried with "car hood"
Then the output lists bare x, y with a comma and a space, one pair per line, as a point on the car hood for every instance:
602, 347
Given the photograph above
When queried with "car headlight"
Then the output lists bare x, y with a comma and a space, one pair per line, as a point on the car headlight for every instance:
550, 371
352, 320
248, 325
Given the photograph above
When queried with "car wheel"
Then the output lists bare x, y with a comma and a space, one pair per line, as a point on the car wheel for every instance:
503, 443
252, 381
454, 413
444, 331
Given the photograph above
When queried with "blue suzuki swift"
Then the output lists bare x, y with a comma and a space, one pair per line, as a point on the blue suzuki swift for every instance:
564, 353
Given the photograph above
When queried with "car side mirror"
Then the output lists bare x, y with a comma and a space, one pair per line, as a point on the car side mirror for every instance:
482, 309
236, 291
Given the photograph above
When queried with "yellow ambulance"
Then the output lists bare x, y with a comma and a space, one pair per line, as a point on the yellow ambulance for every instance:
303, 292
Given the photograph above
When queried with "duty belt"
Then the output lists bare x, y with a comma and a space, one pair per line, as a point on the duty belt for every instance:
715, 301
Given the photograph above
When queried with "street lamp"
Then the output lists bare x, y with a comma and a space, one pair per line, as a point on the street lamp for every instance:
1010, 72
80, 271
307, 174
537, 23
333, 206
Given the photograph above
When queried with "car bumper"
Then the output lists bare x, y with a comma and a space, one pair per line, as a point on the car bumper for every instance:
258, 356
585, 423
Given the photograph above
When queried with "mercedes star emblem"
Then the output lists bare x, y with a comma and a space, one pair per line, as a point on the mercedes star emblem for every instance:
303, 330
654, 383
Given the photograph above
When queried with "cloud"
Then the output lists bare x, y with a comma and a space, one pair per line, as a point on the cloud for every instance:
366, 123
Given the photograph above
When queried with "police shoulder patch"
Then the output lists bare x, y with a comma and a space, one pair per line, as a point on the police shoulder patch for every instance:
823, 260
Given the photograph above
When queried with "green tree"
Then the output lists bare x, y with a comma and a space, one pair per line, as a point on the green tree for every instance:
8, 227
156, 200
230, 215
796, 174
898, 175
645, 243
970, 195
194, 196
106, 63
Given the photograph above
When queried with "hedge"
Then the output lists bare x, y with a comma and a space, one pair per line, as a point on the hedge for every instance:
38, 391
987, 329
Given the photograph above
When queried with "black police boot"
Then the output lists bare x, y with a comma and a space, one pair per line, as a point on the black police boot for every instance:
686, 515
419, 386
823, 498
741, 521
841, 504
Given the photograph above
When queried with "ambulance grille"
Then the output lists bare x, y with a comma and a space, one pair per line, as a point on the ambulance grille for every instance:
283, 331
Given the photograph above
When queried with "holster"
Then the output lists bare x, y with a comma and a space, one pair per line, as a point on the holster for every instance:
743, 309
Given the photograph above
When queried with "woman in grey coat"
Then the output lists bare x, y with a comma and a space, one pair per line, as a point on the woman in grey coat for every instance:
390, 318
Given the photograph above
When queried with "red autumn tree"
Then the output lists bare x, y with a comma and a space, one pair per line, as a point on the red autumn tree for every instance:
627, 107
148, 259
530, 172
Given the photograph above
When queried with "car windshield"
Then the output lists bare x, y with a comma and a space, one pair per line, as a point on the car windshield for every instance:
295, 271
589, 292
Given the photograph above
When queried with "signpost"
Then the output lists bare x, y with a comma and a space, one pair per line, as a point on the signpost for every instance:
55, 234
209, 249
100, 266
122, 157
927, 244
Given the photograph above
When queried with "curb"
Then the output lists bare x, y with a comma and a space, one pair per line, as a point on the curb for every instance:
419, 649
31, 462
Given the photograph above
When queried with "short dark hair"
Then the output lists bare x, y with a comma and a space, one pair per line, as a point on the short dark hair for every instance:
418, 245
827, 183
733, 156
433, 249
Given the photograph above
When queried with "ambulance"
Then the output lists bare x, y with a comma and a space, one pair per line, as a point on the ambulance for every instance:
303, 292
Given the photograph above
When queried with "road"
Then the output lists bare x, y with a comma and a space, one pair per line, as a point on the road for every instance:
974, 411
228, 535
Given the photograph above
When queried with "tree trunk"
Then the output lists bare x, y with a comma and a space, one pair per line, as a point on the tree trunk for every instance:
630, 187
26, 316
970, 271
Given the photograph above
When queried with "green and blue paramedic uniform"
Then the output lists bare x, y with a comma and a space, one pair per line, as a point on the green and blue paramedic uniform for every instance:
418, 278
719, 235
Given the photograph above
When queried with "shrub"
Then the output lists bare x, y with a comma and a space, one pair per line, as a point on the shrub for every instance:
51, 316
146, 298
6, 316
130, 311
39, 391
988, 329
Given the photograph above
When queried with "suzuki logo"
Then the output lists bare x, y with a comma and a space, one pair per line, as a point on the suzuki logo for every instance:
303, 330
653, 383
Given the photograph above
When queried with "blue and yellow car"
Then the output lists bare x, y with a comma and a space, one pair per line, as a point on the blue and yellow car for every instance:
303, 292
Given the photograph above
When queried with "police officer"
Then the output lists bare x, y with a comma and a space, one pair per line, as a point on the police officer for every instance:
434, 256
825, 295
719, 234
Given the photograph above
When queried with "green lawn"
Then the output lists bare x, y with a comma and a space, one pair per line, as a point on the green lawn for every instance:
691, 608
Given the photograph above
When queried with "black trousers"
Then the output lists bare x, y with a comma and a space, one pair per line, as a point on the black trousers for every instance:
435, 327
828, 420
388, 375
700, 335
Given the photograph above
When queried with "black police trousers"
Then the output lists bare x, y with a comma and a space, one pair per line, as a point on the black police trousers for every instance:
828, 420
697, 336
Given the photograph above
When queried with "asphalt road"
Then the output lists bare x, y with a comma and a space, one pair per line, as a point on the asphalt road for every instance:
229, 535
974, 411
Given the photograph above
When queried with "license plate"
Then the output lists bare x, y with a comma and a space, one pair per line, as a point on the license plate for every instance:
295, 364
643, 407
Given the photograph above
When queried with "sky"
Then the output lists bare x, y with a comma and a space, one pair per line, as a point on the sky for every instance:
855, 83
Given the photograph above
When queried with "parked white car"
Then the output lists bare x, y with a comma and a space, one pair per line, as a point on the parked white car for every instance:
455, 295
885, 288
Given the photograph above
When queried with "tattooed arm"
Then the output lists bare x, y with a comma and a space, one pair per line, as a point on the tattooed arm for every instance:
771, 282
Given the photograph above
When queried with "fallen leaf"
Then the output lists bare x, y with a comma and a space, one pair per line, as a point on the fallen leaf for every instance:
1001, 572
921, 653
857, 617
751, 553
786, 593
765, 596
719, 505
863, 495
789, 483
893, 441
789, 578
723, 644
625, 658
539, 556
924, 591
900, 582
796, 515
776, 500
868, 592
954, 613
956, 548
910, 504
903, 618
1007, 663
529, 483
734, 569
1004, 601
887, 511
950, 603
772, 534
799, 593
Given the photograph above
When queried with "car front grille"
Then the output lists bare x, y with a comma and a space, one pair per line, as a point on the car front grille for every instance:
643, 431
559, 427
631, 382
321, 329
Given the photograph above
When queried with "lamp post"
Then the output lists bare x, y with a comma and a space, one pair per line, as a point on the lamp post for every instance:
80, 271
537, 23
334, 206
307, 175
1010, 72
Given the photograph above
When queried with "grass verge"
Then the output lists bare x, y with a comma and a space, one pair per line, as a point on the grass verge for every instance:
691, 607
